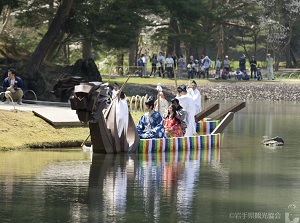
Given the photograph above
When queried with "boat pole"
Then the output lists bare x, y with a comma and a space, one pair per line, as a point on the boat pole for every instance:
82, 144
175, 77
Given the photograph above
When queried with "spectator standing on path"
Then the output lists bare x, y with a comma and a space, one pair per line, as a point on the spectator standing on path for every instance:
140, 64
13, 87
253, 65
181, 65
226, 64
161, 64
190, 69
218, 69
153, 61
207, 64
270, 63
242, 63
144, 58
170, 66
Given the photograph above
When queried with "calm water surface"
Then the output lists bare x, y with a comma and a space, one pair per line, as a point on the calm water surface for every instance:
242, 182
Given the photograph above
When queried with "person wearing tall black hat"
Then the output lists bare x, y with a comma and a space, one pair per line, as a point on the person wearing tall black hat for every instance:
195, 94
115, 90
187, 102
150, 124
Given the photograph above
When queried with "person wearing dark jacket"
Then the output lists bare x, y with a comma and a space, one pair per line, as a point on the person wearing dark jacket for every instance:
13, 87
253, 65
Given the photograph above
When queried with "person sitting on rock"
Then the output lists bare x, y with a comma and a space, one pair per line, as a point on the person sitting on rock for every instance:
225, 74
238, 74
172, 123
259, 74
245, 76
13, 87
150, 124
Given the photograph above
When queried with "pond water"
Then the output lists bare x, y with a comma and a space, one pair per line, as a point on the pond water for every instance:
242, 182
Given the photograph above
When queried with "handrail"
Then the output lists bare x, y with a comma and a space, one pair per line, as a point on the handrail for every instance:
32, 92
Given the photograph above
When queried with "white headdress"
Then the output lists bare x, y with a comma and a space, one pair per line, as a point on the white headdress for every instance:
159, 88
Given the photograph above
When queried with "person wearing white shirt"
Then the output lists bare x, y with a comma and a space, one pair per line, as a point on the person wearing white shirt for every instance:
169, 65
187, 103
195, 94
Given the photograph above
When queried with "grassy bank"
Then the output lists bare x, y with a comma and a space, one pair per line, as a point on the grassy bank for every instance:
22, 129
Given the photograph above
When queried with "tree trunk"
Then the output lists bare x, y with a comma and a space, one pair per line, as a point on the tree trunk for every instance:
48, 39
119, 63
55, 48
171, 40
86, 49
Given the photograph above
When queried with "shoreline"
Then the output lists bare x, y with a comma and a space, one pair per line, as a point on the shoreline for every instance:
33, 132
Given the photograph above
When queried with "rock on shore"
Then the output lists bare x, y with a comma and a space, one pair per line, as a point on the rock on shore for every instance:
251, 91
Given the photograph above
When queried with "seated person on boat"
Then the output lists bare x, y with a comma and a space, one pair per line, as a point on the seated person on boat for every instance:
172, 123
181, 113
150, 124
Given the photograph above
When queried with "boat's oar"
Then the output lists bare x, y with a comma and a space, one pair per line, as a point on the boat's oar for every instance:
85, 140
113, 100
175, 77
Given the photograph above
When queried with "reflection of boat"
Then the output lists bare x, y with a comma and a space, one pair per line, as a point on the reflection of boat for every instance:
89, 101
208, 141
205, 155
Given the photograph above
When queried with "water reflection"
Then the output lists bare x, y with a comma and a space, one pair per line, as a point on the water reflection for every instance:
148, 179
244, 179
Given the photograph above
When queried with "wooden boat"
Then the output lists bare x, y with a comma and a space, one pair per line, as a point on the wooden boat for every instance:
89, 101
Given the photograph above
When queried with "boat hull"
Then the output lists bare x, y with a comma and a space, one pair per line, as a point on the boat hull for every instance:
179, 144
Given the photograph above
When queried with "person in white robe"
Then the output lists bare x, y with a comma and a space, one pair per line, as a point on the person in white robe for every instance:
187, 102
115, 90
163, 104
122, 114
195, 94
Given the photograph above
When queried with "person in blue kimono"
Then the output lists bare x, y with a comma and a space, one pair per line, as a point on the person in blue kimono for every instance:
150, 124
